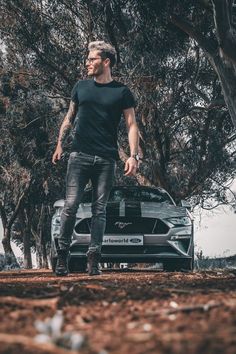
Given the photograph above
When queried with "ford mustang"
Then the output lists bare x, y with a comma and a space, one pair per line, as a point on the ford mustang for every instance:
144, 224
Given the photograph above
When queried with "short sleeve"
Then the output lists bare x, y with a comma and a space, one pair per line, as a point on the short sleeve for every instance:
128, 99
74, 94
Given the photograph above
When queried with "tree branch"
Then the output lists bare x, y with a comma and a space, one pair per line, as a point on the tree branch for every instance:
206, 44
221, 19
226, 35
110, 29
224, 187
217, 103
19, 203
3, 215
200, 93
18, 206
34, 46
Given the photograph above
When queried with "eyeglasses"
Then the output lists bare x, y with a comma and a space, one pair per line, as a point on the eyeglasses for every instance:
91, 60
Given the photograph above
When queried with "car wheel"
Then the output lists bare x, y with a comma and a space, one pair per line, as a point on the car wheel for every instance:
178, 265
77, 265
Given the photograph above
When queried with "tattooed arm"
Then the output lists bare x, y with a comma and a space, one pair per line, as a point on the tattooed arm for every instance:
66, 124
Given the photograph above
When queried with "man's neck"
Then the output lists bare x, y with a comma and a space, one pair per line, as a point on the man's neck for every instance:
103, 79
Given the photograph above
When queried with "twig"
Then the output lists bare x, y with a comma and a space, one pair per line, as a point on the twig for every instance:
64, 97
48, 296
29, 303
26, 342
187, 309
32, 121
179, 291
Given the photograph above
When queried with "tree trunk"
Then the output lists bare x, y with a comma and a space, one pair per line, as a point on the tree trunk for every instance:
39, 236
38, 247
10, 257
227, 76
27, 250
7, 225
222, 58
26, 233
45, 257
42, 223
39, 256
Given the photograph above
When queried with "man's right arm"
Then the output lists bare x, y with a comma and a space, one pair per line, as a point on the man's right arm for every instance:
66, 124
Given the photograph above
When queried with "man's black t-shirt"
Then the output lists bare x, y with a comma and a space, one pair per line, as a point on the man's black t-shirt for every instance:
100, 107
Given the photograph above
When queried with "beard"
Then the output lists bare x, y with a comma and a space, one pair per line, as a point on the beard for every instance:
97, 71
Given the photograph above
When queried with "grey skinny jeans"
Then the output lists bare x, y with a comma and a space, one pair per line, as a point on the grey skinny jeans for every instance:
82, 167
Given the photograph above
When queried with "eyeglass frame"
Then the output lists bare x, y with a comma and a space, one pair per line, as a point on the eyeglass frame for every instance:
91, 60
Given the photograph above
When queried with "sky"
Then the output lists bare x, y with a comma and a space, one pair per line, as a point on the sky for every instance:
215, 232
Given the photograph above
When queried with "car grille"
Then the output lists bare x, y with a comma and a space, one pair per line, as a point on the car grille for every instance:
136, 249
124, 226
119, 250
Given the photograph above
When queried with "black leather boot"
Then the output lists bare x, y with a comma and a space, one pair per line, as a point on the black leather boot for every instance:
62, 263
93, 262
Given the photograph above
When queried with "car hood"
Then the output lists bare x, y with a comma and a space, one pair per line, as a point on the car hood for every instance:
132, 209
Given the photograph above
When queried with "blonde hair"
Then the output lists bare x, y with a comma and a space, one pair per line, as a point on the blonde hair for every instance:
106, 50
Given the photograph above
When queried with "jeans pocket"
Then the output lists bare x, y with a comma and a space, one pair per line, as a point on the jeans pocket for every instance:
75, 154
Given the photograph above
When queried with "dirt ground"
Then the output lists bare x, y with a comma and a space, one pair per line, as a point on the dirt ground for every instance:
125, 312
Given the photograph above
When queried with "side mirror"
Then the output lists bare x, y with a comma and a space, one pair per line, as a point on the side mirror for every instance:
185, 204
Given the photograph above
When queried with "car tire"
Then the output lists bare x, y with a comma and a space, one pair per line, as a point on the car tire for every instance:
178, 265
77, 265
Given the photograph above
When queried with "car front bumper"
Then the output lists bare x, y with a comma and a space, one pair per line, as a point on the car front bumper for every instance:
178, 244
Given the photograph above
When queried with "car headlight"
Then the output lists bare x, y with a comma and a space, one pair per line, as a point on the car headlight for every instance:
180, 221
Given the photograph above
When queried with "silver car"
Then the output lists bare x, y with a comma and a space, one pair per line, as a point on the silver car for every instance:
144, 224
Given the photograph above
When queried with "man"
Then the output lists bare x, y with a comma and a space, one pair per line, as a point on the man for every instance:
99, 104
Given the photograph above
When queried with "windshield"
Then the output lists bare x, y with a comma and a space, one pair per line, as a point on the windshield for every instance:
134, 194
140, 195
